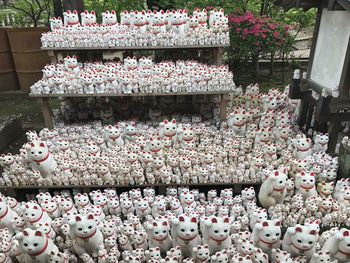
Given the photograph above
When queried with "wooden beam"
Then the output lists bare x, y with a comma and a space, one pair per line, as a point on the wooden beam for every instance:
305, 4
52, 95
308, 84
339, 104
339, 117
128, 185
122, 48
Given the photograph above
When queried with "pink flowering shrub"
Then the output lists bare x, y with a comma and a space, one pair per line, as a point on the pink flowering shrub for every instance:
253, 36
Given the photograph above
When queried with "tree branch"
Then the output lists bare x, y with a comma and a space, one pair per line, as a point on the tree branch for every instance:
48, 11
20, 9
32, 10
38, 3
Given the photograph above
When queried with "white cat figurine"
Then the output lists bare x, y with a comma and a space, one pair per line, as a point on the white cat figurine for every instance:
40, 158
273, 189
267, 234
86, 236
7, 216
185, 234
300, 240
216, 233
338, 245
35, 245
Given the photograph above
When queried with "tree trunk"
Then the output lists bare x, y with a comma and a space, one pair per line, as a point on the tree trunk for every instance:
263, 7
73, 5
272, 64
283, 67
255, 60
57, 7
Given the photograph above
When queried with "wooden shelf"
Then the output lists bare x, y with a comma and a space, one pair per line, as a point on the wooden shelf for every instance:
130, 94
121, 48
215, 58
27, 187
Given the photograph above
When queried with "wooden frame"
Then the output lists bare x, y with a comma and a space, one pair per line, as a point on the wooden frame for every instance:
328, 112
125, 186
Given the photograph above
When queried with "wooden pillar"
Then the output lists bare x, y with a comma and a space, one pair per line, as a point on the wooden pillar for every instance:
73, 5
309, 118
57, 7
52, 57
333, 131
223, 107
217, 54
303, 113
45, 109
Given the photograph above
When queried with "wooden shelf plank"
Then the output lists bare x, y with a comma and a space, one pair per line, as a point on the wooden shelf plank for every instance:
120, 48
131, 94
27, 187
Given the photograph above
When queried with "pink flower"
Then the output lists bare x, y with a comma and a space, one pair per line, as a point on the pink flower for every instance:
257, 26
286, 28
276, 34
263, 36
238, 29
272, 26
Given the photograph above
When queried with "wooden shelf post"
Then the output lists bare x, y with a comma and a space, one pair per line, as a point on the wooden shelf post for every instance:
45, 109
52, 57
223, 107
217, 54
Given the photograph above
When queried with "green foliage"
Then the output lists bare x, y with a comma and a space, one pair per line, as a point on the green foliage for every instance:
229, 6
300, 19
31, 12
99, 6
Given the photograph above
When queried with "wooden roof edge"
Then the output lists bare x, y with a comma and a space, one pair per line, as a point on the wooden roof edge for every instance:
344, 3
305, 4
308, 4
